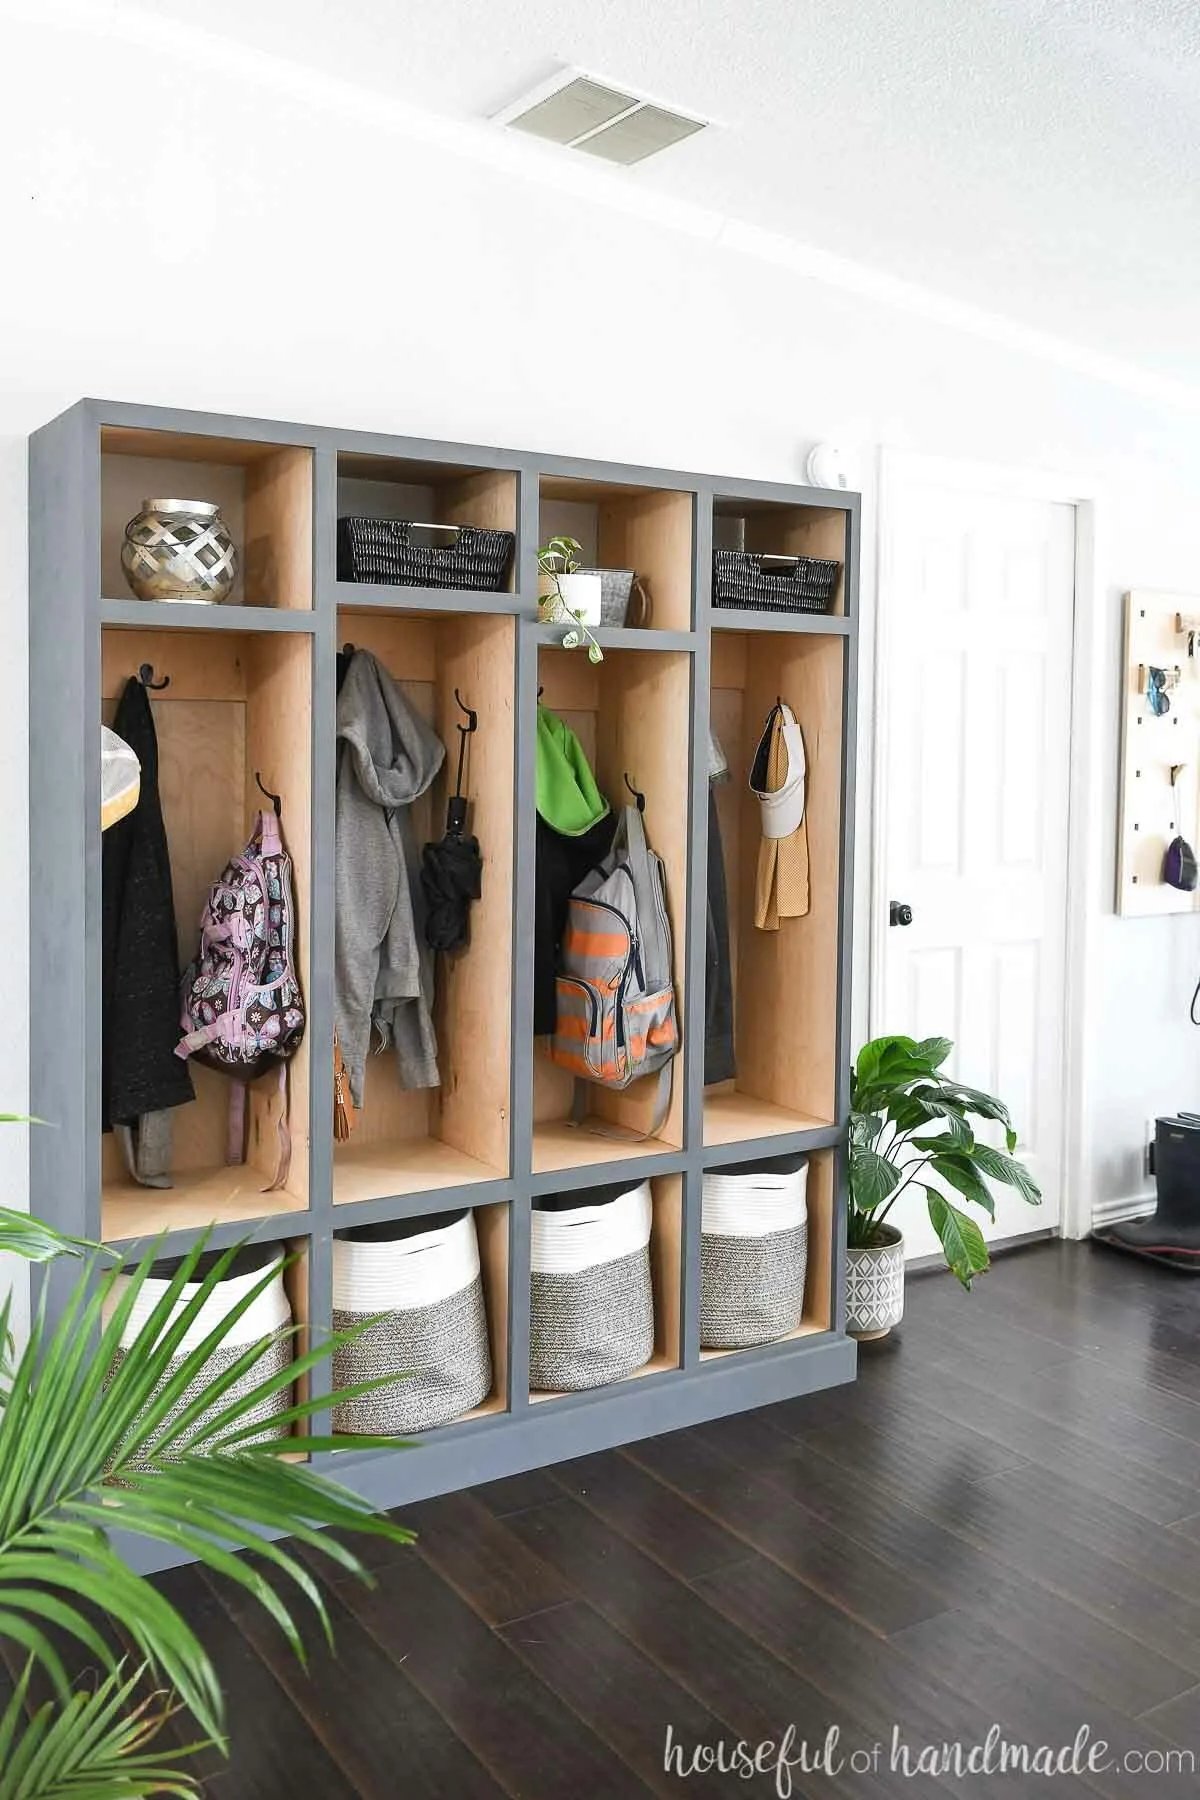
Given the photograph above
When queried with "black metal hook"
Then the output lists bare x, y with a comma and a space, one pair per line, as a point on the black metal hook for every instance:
146, 677
275, 799
464, 732
637, 794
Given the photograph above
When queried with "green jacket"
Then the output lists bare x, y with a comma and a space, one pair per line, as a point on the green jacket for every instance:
567, 796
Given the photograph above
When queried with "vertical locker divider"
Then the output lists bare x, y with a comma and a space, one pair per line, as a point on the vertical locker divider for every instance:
525, 861
320, 995
844, 1047
697, 913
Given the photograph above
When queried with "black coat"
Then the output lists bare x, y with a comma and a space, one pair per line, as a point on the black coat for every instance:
562, 863
140, 955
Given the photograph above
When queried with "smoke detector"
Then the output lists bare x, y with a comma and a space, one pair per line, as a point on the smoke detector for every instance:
590, 115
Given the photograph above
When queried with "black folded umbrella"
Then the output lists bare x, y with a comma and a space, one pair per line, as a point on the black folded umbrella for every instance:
452, 870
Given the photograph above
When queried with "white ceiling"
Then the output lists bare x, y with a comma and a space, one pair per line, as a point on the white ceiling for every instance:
1037, 157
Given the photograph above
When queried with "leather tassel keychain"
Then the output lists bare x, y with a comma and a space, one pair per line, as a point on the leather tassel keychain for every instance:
344, 1116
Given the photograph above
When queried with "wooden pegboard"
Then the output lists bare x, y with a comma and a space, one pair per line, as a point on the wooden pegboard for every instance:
1152, 809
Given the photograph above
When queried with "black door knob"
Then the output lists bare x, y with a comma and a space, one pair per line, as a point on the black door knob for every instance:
899, 913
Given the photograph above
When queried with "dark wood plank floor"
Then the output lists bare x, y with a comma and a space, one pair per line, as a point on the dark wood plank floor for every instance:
1000, 1523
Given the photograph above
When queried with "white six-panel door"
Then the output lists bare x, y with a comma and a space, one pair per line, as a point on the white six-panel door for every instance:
977, 595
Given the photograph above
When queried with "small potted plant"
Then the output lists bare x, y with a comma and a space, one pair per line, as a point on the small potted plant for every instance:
909, 1119
569, 595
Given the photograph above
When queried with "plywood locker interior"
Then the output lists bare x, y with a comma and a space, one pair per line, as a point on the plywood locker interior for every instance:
492, 1231
409, 1140
297, 1279
236, 703
631, 715
265, 492
430, 493
784, 981
617, 526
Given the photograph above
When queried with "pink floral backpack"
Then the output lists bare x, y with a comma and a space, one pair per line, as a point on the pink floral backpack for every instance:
242, 1009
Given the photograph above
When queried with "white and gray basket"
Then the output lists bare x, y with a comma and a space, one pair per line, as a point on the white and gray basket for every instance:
423, 1276
753, 1252
270, 1316
591, 1297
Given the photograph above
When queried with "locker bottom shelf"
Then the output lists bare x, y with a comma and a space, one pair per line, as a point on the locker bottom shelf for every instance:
558, 1144
730, 1117
392, 1166
216, 1196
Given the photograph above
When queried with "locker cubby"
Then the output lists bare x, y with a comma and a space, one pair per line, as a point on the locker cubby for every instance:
631, 715
265, 492
785, 982
666, 1274
648, 530
779, 528
409, 1141
431, 493
237, 702
817, 1315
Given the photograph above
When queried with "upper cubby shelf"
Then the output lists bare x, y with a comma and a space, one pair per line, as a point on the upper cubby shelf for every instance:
264, 492
646, 531
782, 528
437, 500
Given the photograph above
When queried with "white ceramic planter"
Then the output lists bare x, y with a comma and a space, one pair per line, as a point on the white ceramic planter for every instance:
875, 1287
581, 597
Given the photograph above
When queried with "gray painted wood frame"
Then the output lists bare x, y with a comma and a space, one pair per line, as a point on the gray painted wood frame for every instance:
67, 611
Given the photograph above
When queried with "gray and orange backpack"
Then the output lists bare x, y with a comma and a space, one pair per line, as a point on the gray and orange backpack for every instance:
616, 1002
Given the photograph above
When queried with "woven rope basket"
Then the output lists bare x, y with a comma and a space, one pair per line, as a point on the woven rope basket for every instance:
269, 1317
592, 1300
753, 1253
423, 1276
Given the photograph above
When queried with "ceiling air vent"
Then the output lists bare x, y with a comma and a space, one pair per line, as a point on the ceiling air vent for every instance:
604, 121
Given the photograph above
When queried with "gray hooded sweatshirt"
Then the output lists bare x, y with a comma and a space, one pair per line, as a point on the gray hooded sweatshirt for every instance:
383, 969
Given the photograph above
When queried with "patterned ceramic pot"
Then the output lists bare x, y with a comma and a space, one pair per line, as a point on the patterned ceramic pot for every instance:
179, 550
875, 1286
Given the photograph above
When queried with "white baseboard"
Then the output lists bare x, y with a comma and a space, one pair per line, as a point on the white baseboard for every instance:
1115, 1212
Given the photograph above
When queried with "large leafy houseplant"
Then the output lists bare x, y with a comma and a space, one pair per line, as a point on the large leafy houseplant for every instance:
909, 1121
160, 1443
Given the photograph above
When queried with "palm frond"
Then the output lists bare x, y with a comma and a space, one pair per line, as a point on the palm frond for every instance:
26, 1235
98, 1745
161, 1442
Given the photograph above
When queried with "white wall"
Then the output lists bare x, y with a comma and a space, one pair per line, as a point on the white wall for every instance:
193, 233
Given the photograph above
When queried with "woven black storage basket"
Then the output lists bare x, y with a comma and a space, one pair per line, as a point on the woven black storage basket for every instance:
746, 580
385, 550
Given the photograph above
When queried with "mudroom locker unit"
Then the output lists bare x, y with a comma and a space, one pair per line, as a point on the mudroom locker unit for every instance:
251, 694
